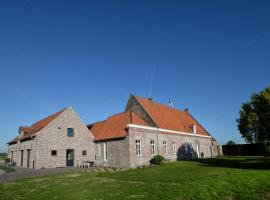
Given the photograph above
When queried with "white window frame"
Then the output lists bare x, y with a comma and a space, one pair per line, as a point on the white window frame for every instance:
153, 147
105, 151
174, 147
165, 148
138, 147
99, 149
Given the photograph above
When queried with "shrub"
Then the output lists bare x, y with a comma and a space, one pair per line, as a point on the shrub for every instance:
267, 149
202, 154
157, 160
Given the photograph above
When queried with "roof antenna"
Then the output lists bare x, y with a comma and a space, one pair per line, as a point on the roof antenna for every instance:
170, 103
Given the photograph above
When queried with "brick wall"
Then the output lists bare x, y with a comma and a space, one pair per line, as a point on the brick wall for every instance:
54, 137
186, 146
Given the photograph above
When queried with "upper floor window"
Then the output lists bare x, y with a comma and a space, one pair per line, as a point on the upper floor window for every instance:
138, 147
153, 147
70, 132
174, 147
84, 152
165, 150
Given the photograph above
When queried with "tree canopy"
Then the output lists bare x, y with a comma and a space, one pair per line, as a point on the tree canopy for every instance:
230, 142
254, 120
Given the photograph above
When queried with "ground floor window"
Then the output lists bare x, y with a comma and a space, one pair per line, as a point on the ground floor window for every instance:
174, 147
153, 147
105, 151
138, 147
53, 153
165, 150
84, 152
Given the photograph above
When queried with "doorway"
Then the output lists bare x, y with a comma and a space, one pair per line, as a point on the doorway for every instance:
70, 158
28, 157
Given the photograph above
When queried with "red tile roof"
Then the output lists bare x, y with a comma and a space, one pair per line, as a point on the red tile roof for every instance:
36, 127
170, 118
115, 126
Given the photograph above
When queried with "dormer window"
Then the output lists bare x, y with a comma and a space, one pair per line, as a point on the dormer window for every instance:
194, 129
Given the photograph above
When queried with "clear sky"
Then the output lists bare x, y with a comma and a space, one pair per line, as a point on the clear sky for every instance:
209, 56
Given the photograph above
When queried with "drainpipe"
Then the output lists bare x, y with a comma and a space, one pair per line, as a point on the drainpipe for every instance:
34, 152
157, 131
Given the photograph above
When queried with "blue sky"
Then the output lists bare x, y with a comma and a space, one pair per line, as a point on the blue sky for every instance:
209, 56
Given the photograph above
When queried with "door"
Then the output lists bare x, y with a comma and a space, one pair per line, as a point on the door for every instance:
21, 157
28, 157
70, 157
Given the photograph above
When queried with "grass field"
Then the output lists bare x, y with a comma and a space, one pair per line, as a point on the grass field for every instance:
220, 178
2, 156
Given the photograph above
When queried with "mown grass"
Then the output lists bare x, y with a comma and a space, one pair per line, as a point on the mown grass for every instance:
6, 169
220, 178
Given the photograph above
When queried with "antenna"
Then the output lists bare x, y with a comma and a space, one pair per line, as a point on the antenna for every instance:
170, 103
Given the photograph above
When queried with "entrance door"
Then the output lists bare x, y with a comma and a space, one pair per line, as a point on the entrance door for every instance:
21, 157
28, 157
70, 157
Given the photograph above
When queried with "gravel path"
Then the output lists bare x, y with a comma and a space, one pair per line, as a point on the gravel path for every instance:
26, 172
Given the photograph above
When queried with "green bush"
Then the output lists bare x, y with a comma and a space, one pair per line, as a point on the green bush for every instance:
202, 154
157, 160
267, 149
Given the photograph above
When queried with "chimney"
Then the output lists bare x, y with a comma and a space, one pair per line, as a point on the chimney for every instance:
186, 110
170, 103
151, 99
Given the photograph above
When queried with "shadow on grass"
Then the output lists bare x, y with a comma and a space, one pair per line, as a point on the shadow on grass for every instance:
234, 162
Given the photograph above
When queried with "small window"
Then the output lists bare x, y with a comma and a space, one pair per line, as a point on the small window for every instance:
84, 152
174, 147
70, 132
54, 153
165, 150
153, 147
138, 147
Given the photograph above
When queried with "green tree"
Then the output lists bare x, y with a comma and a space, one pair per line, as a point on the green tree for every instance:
230, 142
254, 120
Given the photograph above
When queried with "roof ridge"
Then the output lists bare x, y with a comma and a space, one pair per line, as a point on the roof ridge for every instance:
60, 112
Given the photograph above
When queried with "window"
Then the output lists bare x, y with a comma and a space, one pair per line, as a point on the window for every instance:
84, 152
105, 151
99, 149
153, 147
70, 132
53, 153
165, 150
174, 147
138, 147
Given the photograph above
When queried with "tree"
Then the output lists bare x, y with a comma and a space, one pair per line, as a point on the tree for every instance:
254, 120
230, 142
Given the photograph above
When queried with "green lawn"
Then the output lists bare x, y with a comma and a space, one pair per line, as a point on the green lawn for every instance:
220, 178
6, 168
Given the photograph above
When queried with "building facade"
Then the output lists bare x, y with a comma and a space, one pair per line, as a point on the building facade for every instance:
147, 128
127, 140
59, 140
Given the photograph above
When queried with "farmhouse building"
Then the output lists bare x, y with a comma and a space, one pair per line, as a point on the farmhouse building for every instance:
128, 139
58, 140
